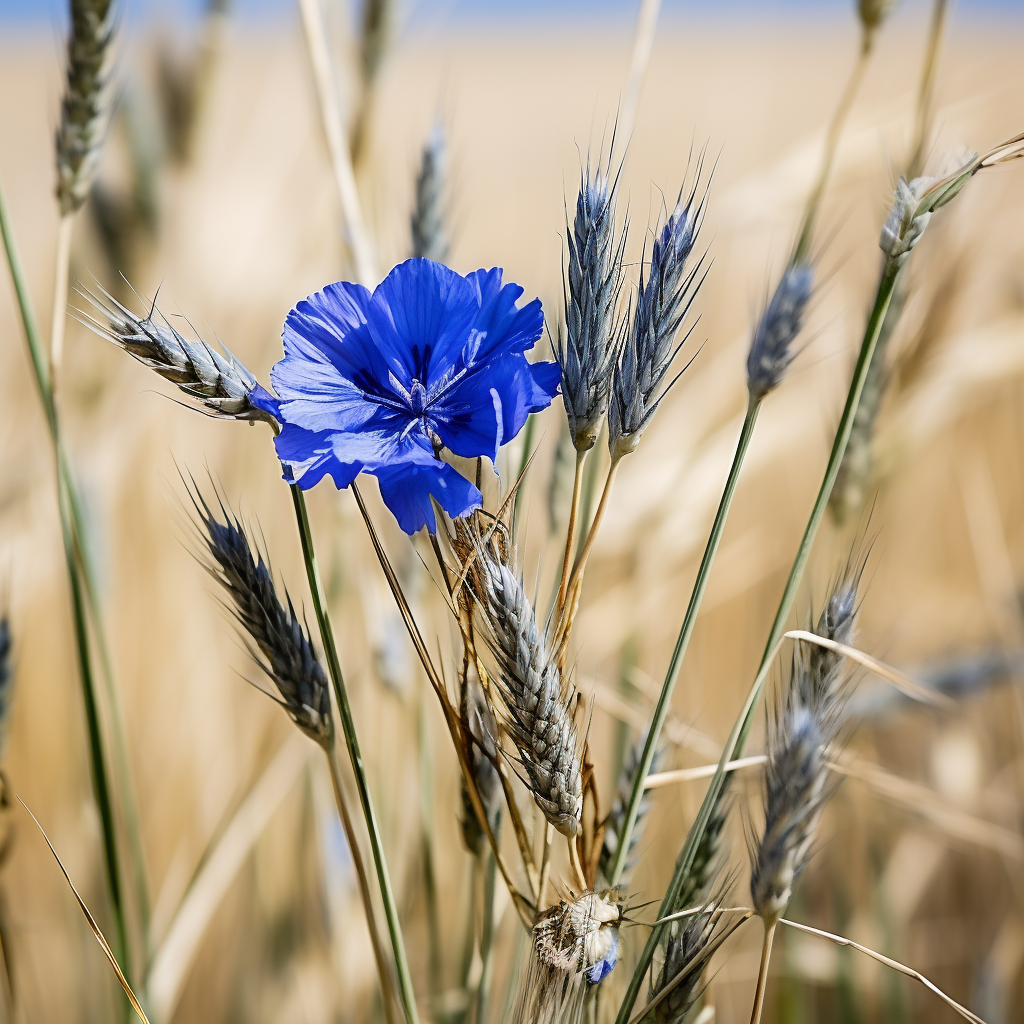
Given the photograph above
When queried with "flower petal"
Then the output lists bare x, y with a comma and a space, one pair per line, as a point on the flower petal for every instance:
307, 457
424, 312
487, 410
408, 488
333, 373
506, 328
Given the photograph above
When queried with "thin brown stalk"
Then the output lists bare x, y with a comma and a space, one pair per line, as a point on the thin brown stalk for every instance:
911, 687
909, 972
470, 653
570, 533
577, 867
389, 993
762, 972
926, 90
523, 906
545, 866
341, 160
94, 927
705, 771
576, 579
643, 43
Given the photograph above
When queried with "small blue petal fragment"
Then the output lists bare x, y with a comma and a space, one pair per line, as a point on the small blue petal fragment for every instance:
373, 382
604, 966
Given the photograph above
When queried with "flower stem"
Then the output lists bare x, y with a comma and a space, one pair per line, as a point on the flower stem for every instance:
762, 972
570, 532
70, 521
348, 728
387, 981
679, 653
742, 726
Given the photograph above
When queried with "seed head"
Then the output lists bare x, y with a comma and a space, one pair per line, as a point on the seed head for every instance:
536, 704
803, 732
687, 952
219, 385
88, 100
480, 731
277, 639
874, 12
429, 238
589, 344
771, 351
662, 304
617, 815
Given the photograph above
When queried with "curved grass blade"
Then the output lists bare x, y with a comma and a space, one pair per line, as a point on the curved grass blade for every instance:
104, 945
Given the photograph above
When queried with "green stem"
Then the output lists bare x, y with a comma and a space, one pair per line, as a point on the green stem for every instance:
743, 724
69, 508
101, 784
524, 462
348, 729
486, 940
685, 631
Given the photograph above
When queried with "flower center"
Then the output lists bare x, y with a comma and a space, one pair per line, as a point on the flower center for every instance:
418, 398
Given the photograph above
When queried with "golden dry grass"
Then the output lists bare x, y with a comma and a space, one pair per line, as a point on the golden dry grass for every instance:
253, 225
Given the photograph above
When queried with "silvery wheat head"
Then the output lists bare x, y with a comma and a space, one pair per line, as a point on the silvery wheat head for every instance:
803, 732
429, 238
688, 948
218, 384
588, 345
617, 815
664, 299
87, 102
771, 350
480, 732
536, 704
278, 640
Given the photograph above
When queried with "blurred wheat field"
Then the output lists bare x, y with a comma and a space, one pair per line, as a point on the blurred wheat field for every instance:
931, 872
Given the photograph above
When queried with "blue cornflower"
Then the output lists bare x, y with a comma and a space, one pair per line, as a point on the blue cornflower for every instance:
383, 382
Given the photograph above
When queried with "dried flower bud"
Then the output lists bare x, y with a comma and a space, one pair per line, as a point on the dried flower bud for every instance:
575, 944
